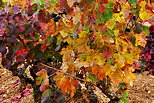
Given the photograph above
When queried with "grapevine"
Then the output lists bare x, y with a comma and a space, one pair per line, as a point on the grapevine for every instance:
69, 44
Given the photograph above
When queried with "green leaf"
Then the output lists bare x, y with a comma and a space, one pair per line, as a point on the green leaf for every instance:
133, 41
133, 1
125, 94
107, 15
109, 61
38, 55
110, 32
46, 93
109, 5
84, 57
122, 85
146, 29
39, 80
92, 77
124, 100
53, 1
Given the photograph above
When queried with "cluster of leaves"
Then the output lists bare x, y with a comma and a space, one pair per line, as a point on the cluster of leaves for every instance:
85, 40
147, 54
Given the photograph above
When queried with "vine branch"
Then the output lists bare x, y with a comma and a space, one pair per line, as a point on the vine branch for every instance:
67, 74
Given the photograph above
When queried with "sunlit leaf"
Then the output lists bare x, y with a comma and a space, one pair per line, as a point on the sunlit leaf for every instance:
144, 15
63, 33
110, 24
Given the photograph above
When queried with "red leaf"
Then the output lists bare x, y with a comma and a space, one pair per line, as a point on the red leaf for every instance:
123, 1
2, 91
101, 7
136, 65
26, 92
44, 16
43, 47
103, 1
43, 87
107, 52
22, 52
2, 32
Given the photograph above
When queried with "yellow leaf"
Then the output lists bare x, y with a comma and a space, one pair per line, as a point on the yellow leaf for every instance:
142, 3
76, 18
82, 34
111, 24
119, 17
143, 14
116, 76
63, 33
128, 58
66, 22
81, 63
119, 59
140, 40
128, 76
116, 32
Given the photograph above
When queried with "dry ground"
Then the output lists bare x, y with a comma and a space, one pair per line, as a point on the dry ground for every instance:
141, 92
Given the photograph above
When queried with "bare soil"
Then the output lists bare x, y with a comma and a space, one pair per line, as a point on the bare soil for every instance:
143, 89
141, 92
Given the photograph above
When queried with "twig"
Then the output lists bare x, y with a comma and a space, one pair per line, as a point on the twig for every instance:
68, 74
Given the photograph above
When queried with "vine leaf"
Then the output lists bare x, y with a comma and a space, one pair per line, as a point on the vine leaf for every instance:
140, 40
101, 71
103, 1
107, 52
70, 2
77, 18
111, 24
67, 85
63, 33
123, 1
43, 78
143, 14
101, 7
129, 76
21, 54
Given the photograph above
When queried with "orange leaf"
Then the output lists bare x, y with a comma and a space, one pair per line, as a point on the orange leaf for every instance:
95, 70
67, 86
42, 72
101, 74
